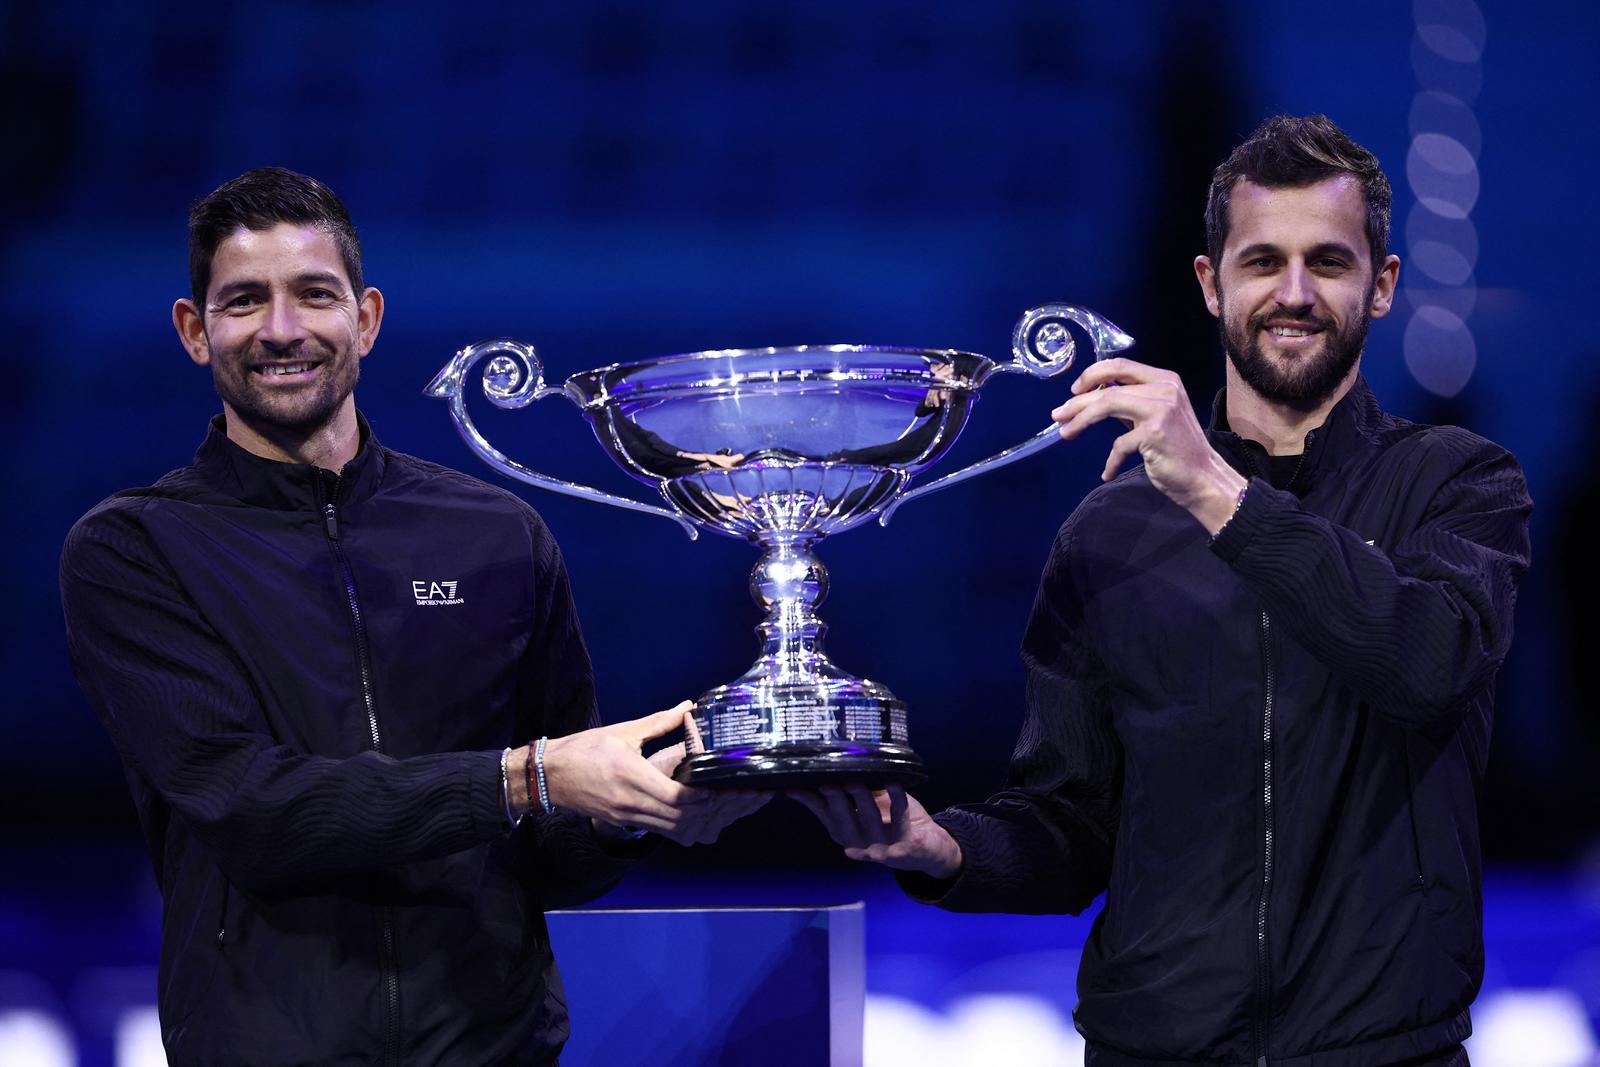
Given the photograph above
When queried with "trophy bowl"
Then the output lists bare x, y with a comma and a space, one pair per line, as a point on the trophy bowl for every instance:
782, 447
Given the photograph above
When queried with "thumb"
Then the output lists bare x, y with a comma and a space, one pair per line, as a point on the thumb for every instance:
641, 730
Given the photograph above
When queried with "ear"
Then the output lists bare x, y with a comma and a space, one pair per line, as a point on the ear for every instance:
1383, 287
1206, 275
369, 319
190, 322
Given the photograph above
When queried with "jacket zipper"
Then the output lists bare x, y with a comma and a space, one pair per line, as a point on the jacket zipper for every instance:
387, 967
1263, 961
1263, 958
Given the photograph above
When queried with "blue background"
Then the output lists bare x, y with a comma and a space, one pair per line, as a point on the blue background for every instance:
614, 181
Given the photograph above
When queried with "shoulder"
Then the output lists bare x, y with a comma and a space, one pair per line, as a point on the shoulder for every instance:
1127, 497
112, 542
1447, 453
447, 487
120, 522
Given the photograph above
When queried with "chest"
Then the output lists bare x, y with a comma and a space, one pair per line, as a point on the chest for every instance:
401, 628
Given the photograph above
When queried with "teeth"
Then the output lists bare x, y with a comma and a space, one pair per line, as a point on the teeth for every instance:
288, 368
1285, 331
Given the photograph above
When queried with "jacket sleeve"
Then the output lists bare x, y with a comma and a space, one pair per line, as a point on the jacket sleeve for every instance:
559, 857
1043, 844
183, 713
1416, 631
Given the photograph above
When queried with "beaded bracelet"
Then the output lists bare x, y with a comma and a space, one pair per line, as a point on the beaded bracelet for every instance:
1237, 504
538, 766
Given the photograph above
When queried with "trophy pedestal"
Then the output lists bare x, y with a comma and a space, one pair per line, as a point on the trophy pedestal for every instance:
794, 720
798, 735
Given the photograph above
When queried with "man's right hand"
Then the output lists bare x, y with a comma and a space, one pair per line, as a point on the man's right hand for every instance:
887, 826
603, 774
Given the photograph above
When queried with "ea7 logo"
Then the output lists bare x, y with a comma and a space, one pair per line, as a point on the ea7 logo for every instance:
435, 594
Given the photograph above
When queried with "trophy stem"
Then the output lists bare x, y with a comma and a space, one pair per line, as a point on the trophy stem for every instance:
789, 581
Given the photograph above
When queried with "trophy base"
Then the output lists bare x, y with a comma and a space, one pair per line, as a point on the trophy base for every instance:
802, 765
821, 727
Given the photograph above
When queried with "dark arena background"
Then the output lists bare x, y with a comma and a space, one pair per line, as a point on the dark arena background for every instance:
614, 182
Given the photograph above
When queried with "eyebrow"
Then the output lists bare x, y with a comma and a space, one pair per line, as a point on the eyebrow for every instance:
315, 277
1264, 248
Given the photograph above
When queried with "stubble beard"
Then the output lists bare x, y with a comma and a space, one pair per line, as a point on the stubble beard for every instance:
301, 412
1307, 382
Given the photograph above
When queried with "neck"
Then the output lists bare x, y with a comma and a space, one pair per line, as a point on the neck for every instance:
1279, 428
330, 445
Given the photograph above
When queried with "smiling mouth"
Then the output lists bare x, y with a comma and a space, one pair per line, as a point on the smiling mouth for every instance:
284, 370
1291, 332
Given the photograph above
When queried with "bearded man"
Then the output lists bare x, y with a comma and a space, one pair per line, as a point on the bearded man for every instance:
1260, 674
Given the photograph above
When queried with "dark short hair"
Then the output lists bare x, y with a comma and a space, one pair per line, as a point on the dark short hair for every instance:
1291, 150
258, 200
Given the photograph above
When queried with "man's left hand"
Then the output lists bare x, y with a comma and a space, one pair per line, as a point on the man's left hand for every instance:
721, 808
1162, 429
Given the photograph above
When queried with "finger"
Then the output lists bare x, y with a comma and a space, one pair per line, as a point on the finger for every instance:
897, 811
662, 722
691, 731
1121, 449
1118, 369
742, 807
647, 789
812, 803
842, 817
666, 760
1127, 402
868, 818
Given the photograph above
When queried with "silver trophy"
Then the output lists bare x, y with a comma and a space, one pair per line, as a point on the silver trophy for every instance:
782, 447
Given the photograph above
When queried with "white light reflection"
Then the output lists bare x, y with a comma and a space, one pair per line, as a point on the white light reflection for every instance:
30, 1038
1442, 170
1443, 174
139, 1039
1439, 350
1531, 1028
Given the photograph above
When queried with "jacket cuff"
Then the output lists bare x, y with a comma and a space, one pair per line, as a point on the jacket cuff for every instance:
485, 800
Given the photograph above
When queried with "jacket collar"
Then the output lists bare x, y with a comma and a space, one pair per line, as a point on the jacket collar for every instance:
1350, 422
268, 483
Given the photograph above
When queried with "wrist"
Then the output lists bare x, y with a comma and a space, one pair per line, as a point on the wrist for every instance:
947, 858
548, 754
1224, 491
514, 782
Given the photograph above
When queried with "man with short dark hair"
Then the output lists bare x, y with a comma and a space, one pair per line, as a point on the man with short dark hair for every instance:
1260, 674
350, 693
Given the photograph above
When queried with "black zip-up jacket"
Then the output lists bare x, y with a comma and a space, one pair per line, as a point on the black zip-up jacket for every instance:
310, 679
1266, 750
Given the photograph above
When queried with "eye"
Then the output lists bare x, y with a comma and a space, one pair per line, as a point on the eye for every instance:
242, 301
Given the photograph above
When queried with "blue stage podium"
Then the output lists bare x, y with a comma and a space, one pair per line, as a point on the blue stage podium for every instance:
712, 987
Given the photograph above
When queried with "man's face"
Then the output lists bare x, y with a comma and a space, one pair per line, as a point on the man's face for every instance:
281, 329
1295, 289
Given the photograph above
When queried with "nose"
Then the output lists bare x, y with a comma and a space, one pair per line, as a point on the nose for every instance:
283, 327
1294, 287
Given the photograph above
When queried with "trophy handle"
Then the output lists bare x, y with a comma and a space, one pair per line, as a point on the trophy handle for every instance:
1041, 346
513, 379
